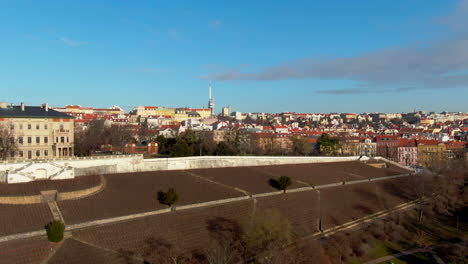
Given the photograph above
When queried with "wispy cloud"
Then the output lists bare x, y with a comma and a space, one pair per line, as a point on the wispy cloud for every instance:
417, 66
73, 43
215, 24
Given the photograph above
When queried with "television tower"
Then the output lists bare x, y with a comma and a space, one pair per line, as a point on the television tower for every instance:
211, 102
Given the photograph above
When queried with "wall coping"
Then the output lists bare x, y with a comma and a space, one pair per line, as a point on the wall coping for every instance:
74, 159
255, 157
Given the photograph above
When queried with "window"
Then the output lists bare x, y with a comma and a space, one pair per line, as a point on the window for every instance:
46, 127
29, 126
30, 154
61, 127
20, 153
46, 140
38, 140
38, 153
12, 154
62, 139
20, 140
29, 140
21, 126
38, 127
56, 140
46, 153
68, 140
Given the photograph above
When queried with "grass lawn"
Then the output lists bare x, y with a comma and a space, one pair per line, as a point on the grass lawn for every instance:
418, 258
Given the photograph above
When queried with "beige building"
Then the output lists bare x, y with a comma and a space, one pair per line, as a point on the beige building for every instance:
39, 132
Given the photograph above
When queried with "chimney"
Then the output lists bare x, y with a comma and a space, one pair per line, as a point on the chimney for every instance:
22, 106
3, 105
46, 107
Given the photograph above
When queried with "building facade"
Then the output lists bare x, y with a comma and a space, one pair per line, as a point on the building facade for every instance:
430, 152
38, 131
407, 152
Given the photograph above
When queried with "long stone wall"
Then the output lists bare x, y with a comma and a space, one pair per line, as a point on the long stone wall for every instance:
204, 162
136, 163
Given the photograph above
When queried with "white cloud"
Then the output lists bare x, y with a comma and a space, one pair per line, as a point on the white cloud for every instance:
437, 64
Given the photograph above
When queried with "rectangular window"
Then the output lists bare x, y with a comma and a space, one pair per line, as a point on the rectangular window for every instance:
62, 139
29, 126
29, 140
20, 140
12, 154
38, 153
30, 154
46, 153
20, 153
56, 140
38, 127
21, 126
46, 140
46, 127
68, 140
38, 140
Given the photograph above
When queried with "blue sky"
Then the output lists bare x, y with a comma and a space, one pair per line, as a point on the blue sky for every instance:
261, 56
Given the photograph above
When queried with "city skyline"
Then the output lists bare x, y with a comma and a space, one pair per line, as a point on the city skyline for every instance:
302, 57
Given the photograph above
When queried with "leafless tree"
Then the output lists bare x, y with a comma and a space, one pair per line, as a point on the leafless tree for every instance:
8, 142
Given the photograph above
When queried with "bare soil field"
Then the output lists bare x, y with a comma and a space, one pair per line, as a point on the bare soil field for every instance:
189, 229
324, 173
300, 208
131, 193
346, 203
35, 187
23, 218
25, 251
76, 252
247, 178
193, 229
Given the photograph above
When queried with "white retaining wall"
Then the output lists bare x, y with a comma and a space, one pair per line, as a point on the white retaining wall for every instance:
231, 161
136, 163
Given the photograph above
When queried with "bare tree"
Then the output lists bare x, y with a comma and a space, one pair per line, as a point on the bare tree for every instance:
264, 234
8, 143
337, 247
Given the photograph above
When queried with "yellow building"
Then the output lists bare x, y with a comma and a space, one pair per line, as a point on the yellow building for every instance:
38, 131
430, 152
145, 111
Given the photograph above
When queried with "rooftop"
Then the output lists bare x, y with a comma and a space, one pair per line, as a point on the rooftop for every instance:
31, 112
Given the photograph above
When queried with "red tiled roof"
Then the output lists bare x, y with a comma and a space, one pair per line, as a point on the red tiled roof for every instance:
428, 142
404, 142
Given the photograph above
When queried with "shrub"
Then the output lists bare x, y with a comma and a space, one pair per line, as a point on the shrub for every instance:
284, 182
55, 231
169, 198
